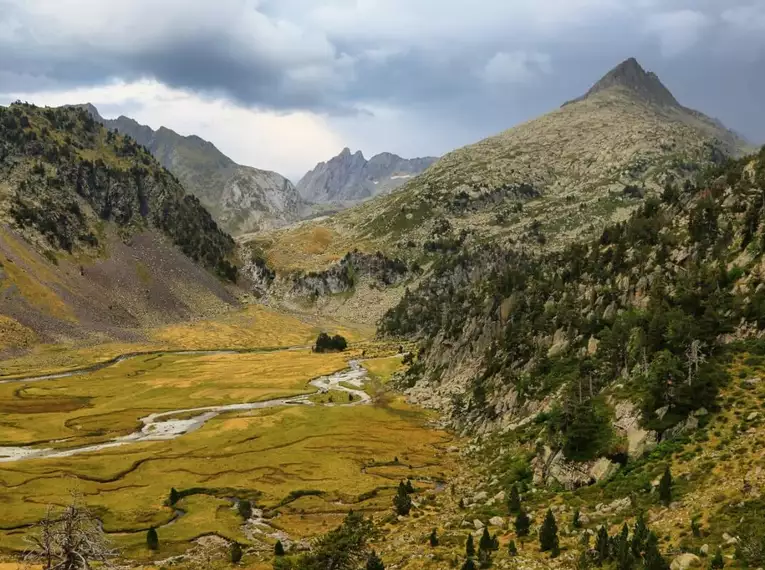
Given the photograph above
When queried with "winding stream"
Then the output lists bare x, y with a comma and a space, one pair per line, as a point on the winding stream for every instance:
160, 426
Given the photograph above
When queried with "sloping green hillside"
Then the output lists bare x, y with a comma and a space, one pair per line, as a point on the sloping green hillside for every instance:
60, 163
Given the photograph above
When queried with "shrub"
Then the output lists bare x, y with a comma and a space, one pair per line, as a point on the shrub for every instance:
326, 343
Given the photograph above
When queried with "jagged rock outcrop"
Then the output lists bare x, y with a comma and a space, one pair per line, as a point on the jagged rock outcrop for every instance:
241, 198
350, 177
344, 275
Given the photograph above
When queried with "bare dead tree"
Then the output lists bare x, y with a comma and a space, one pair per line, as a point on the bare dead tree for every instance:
69, 540
695, 356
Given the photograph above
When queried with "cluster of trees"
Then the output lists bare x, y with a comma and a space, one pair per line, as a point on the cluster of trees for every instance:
122, 184
327, 343
654, 295
343, 548
402, 502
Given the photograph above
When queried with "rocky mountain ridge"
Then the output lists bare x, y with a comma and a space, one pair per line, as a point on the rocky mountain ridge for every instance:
541, 185
350, 177
241, 198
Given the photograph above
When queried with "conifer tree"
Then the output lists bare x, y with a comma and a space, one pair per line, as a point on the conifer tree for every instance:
512, 549
653, 560
245, 509
717, 562
235, 553
548, 533
522, 524
278, 548
623, 550
433, 538
152, 540
469, 547
469, 565
639, 536
402, 502
665, 487
374, 562
602, 546
514, 501
575, 522
174, 496
484, 559
409, 487
485, 543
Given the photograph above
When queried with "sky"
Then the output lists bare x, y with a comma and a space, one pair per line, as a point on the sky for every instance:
284, 84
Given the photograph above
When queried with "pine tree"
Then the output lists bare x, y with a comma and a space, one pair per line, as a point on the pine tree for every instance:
433, 538
245, 509
548, 533
469, 565
512, 550
623, 549
485, 543
653, 560
374, 562
602, 546
409, 487
583, 561
462, 503
717, 562
665, 487
469, 547
639, 537
522, 524
278, 548
174, 497
484, 559
514, 502
402, 502
152, 540
235, 553
575, 522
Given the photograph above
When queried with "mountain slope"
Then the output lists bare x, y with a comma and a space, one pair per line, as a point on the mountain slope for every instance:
613, 344
96, 237
541, 184
241, 198
350, 177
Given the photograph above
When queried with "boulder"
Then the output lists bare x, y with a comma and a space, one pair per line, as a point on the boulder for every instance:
687, 426
752, 416
704, 550
478, 524
603, 469
482, 496
497, 521
592, 346
685, 561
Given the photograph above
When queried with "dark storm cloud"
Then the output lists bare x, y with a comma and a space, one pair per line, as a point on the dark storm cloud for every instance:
485, 63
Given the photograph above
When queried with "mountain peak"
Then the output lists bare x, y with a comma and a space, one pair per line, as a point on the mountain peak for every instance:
644, 84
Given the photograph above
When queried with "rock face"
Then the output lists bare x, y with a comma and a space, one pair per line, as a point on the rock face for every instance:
350, 177
241, 198
553, 467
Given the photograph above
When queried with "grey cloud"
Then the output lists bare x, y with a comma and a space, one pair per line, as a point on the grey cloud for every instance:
478, 65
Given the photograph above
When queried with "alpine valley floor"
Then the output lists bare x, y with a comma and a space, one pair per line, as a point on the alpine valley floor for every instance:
303, 463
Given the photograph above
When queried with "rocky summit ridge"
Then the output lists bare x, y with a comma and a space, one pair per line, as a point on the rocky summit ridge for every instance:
351, 177
631, 76
240, 198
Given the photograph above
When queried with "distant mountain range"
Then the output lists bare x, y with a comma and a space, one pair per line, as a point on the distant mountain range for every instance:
351, 178
240, 198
